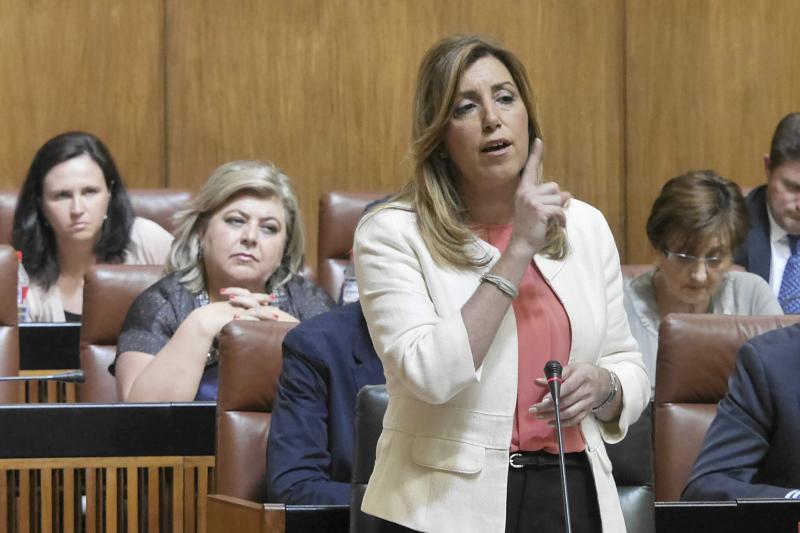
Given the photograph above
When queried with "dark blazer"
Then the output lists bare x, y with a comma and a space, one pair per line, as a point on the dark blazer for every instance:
752, 449
326, 360
755, 254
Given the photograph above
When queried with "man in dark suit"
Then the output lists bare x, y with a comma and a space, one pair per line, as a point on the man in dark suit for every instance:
774, 211
326, 360
752, 449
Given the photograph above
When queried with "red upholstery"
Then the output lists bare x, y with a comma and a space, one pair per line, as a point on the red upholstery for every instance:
696, 356
250, 363
159, 205
8, 202
108, 292
339, 213
9, 335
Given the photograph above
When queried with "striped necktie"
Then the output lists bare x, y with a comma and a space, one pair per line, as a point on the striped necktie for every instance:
789, 295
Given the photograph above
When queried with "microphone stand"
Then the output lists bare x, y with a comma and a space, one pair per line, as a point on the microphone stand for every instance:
556, 404
552, 371
73, 376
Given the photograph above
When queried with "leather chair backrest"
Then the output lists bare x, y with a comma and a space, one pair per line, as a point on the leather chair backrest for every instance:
631, 460
696, 355
250, 361
159, 205
339, 213
8, 202
108, 292
9, 336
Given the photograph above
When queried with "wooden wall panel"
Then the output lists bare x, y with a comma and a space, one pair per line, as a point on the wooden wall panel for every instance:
706, 83
323, 89
94, 65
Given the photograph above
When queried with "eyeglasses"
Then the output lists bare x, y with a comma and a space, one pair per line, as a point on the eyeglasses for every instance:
685, 260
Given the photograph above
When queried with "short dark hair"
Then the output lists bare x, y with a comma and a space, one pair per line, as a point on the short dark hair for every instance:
31, 233
694, 207
785, 146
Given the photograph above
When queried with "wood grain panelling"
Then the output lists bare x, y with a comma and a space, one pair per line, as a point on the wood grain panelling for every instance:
94, 65
707, 82
323, 88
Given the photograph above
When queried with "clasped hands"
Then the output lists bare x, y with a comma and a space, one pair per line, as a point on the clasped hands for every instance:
240, 304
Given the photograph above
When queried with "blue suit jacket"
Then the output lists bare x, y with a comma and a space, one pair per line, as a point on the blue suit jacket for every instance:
755, 255
326, 360
752, 449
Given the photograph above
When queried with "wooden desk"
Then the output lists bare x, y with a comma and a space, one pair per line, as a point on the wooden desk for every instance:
48, 348
100, 467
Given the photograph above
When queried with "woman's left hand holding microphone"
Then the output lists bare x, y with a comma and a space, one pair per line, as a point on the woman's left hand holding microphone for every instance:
584, 386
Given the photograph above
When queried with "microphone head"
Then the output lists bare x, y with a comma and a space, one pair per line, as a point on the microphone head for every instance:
552, 369
73, 376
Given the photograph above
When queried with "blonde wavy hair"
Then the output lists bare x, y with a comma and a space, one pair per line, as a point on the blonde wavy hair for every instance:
441, 214
259, 179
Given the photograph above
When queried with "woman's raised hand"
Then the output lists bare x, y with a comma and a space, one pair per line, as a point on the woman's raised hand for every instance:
536, 205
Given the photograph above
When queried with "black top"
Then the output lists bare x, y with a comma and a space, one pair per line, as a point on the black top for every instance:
157, 313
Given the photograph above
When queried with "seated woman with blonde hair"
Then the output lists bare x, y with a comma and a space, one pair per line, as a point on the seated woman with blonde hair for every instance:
697, 222
238, 249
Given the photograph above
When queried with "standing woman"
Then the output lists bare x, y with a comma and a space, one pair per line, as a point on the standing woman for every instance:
72, 213
471, 280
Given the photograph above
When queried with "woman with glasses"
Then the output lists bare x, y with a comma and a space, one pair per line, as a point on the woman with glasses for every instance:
697, 222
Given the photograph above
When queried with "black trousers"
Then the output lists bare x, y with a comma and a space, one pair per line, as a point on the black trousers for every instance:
535, 504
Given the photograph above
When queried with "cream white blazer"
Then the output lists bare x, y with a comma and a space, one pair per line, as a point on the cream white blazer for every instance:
442, 458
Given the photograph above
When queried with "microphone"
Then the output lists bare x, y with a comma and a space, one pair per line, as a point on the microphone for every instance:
72, 376
552, 371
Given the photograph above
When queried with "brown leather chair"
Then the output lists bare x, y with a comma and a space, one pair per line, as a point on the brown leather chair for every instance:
159, 205
696, 355
8, 202
250, 363
108, 292
9, 336
339, 213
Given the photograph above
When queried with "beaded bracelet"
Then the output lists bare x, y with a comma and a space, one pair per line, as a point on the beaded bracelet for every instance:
611, 395
505, 286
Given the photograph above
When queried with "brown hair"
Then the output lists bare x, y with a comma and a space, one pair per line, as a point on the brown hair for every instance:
785, 141
694, 207
432, 192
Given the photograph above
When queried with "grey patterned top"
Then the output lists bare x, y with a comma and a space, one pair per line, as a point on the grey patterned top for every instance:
156, 314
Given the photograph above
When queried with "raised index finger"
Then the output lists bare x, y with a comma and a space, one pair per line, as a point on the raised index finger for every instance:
530, 173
